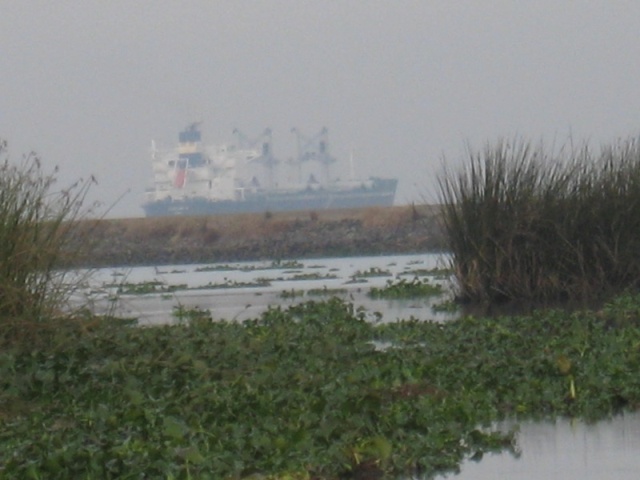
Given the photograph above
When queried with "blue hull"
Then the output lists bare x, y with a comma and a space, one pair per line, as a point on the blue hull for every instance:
381, 194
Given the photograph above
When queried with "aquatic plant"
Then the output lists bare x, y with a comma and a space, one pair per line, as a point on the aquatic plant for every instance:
304, 392
37, 228
324, 291
446, 306
371, 272
145, 288
191, 315
218, 268
313, 292
313, 276
285, 294
525, 224
274, 265
403, 288
286, 264
440, 273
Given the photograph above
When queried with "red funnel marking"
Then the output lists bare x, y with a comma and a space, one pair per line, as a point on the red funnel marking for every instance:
178, 182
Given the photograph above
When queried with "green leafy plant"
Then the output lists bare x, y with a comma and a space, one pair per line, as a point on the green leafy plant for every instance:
291, 293
145, 288
304, 392
404, 288
446, 306
324, 291
371, 272
195, 314
313, 276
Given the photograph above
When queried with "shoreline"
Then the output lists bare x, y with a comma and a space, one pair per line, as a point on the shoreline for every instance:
266, 236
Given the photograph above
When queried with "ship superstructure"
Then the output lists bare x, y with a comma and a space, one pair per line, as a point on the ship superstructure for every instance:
243, 177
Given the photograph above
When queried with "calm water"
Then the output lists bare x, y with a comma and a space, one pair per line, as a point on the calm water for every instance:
566, 450
227, 290
562, 450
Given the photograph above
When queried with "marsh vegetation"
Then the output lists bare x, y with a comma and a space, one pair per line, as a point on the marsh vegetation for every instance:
318, 390
37, 220
524, 223
304, 392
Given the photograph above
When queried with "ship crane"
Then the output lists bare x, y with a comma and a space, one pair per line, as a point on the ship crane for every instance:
314, 148
263, 144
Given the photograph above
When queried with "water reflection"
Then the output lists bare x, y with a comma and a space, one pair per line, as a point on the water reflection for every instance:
566, 450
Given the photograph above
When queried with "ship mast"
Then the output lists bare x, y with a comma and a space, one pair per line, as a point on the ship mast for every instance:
352, 173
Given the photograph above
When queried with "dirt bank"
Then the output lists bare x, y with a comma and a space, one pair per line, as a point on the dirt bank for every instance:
170, 240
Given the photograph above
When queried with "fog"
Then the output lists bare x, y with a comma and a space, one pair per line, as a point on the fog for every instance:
404, 85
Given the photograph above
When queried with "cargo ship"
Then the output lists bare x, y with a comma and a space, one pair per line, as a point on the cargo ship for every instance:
245, 177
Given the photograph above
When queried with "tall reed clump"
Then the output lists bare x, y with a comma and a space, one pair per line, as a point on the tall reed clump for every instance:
36, 222
523, 224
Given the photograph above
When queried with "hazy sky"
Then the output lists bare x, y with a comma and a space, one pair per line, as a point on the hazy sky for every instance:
88, 84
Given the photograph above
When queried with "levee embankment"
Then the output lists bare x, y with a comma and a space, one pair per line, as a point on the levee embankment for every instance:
175, 240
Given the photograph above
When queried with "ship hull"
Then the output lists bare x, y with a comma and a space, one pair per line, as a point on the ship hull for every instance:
381, 194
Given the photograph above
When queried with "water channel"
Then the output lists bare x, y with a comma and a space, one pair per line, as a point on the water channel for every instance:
564, 449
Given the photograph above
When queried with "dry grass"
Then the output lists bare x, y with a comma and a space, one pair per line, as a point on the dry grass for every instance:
250, 225
36, 223
210, 238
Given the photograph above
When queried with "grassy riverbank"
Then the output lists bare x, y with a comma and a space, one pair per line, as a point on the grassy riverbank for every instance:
174, 240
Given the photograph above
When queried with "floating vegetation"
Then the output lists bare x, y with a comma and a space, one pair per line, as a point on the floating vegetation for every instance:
275, 265
314, 292
258, 282
220, 268
404, 288
145, 288
327, 291
156, 286
286, 294
353, 280
434, 273
446, 306
286, 264
170, 272
195, 314
313, 276
314, 391
372, 272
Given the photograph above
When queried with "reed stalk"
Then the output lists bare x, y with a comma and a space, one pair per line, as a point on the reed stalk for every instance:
525, 224
36, 222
